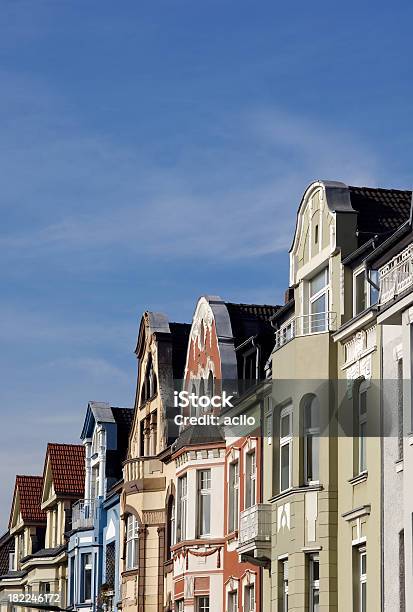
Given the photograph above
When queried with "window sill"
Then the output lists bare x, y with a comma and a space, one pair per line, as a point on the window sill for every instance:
362, 477
293, 490
131, 572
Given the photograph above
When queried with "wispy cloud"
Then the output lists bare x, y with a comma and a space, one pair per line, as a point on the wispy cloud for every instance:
98, 196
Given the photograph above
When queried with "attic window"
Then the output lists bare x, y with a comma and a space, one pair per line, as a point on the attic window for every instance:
316, 234
149, 387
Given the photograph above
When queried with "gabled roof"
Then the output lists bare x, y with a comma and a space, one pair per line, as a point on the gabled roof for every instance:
67, 462
29, 490
380, 211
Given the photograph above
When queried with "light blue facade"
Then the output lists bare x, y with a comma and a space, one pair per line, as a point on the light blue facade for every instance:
94, 541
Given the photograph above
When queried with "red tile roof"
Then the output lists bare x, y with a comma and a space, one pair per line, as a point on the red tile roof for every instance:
30, 493
68, 468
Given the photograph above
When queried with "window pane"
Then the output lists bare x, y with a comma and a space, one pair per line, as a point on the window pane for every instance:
312, 454
205, 514
318, 282
360, 289
285, 467
285, 426
363, 597
374, 293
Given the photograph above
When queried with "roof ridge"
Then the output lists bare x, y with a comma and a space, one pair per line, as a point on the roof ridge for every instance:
380, 188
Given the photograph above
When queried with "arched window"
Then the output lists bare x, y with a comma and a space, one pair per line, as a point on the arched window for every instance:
311, 425
132, 542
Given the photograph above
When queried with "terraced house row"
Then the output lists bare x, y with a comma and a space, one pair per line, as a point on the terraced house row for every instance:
307, 504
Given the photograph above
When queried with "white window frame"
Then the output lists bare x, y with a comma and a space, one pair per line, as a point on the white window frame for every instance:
250, 496
362, 552
182, 508
325, 290
286, 441
311, 432
203, 491
362, 420
314, 583
233, 496
202, 603
132, 542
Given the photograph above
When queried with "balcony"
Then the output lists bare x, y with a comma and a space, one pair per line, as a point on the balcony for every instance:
305, 325
254, 538
396, 275
84, 513
139, 468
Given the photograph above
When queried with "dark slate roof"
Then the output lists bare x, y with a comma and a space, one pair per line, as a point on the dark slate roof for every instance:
124, 420
68, 468
10, 575
197, 435
30, 492
180, 336
380, 211
114, 458
46, 552
250, 319
6, 547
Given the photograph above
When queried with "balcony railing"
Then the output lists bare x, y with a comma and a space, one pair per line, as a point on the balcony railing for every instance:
141, 467
305, 325
254, 537
396, 275
84, 513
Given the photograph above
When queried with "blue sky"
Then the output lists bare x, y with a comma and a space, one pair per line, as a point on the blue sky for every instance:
151, 152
